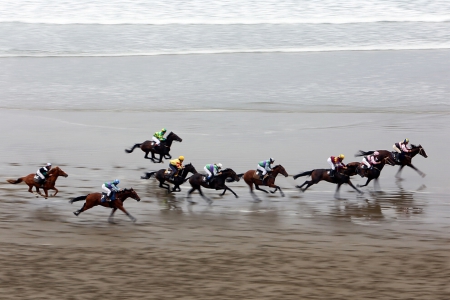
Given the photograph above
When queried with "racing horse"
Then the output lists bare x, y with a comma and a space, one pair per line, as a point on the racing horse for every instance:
163, 149
218, 183
94, 199
177, 181
339, 178
49, 183
406, 159
269, 181
373, 173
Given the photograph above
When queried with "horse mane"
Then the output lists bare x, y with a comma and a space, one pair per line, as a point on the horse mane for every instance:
53, 170
277, 166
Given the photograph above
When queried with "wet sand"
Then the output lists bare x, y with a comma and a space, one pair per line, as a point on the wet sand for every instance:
391, 244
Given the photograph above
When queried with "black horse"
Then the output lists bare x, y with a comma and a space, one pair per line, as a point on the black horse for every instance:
318, 175
218, 183
163, 149
374, 173
177, 181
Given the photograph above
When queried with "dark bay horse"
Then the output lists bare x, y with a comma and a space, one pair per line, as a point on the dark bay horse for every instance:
318, 175
163, 149
177, 181
217, 183
49, 184
94, 199
385, 158
269, 181
406, 159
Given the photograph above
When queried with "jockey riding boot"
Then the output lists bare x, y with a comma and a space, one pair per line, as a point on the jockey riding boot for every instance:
261, 177
332, 173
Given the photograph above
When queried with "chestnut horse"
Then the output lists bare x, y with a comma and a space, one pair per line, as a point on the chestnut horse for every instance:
163, 149
268, 181
406, 159
218, 183
385, 157
318, 175
94, 199
177, 181
49, 183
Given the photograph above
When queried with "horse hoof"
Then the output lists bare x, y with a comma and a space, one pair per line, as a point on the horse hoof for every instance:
423, 175
134, 220
76, 213
297, 186
282, 195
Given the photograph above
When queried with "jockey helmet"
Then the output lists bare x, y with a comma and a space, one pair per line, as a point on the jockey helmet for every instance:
406, 141
181, 157
376, 153
271, 160
163, 130
49, 165
219, 165
116, 181
341, 156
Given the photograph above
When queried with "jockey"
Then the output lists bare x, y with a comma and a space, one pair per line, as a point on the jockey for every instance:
335, 162
176, 165
401, 147
109, 188
264, 166
212, 170
42, 173
158, 137
371, 160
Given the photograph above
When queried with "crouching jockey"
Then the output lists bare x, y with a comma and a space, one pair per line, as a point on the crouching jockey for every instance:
264, 167
42, 173
212, 170
110, 188
371, 160
401, 147
175, 166
335, 162
158, 137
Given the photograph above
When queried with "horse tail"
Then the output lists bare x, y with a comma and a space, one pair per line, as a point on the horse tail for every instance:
78, 199
363, 153
148, 175
132, 148
307, 173
19, 180
240, 175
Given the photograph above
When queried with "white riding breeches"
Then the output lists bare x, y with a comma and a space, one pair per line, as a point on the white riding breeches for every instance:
364, 161
108, 191
396, 149
40, 175
263, 170
331, 163
208, 172
157, 142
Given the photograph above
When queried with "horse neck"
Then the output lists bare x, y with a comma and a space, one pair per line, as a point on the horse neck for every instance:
169, 140
276, 171
414, 151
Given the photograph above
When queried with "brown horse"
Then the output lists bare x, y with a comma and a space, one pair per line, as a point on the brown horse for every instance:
406, 159
49, 184
177, 181
269, 181
385, 157
94, 199
218, 183
318, 175
163, 149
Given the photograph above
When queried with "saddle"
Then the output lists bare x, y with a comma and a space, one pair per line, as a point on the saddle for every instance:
257, 175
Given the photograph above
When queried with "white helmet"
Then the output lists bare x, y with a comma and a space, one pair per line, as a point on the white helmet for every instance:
219, 165
272, 160
49, 164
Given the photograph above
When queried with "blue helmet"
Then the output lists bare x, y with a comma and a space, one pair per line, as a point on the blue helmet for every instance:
116, 181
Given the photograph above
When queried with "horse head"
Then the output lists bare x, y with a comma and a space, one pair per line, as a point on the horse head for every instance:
130, 193
229, 173
420, 149
57, 171
173, 137
279, 169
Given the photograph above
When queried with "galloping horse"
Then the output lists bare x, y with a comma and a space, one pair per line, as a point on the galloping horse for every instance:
318, 175
406, 159
218, 183
374, 173
250, 179
177, 181
49, 184
163, 149
94, 199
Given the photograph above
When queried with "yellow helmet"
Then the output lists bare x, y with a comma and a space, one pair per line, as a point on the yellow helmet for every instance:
181, 158
341, 156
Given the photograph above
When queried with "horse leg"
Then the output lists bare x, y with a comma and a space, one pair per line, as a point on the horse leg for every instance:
417, 170
227, 188
255, 198
336, 194
165, 186
257, 187
110, 219
308, 183
189, 195
223, 192
167, 156
397, 175
133, 219
56, 192
76, 213
354, 187
204, 197
369, 179
30, 189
